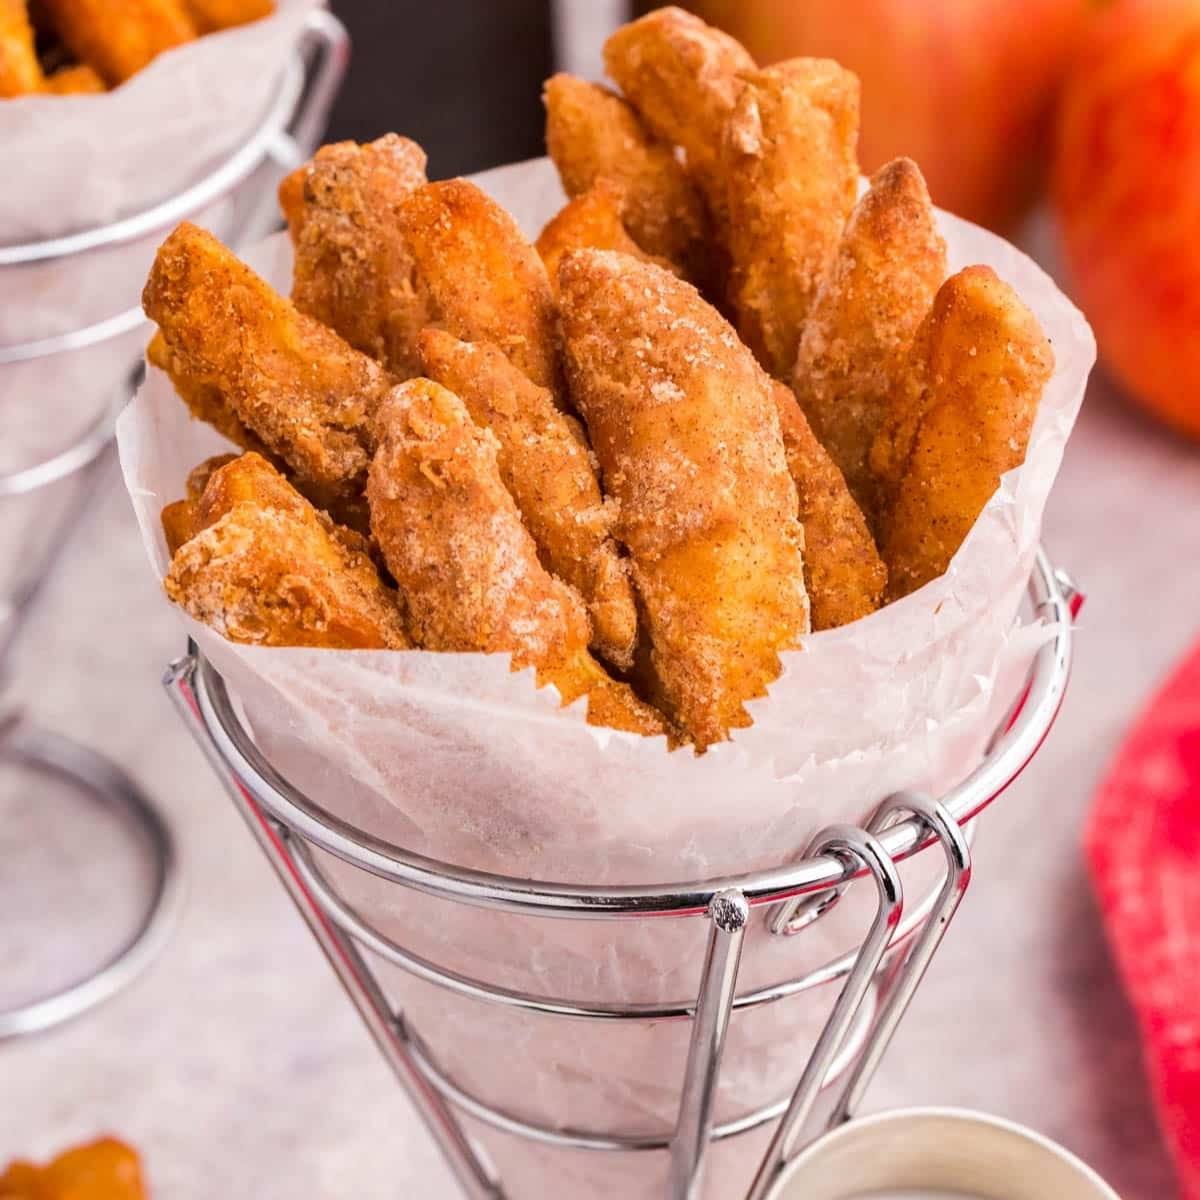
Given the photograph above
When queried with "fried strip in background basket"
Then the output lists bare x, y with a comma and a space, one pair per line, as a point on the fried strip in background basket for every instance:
119, 41
211, 15
454, 540
20, 71
80, 80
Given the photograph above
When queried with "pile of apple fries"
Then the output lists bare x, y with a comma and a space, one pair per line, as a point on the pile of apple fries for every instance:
722, 403
64, 47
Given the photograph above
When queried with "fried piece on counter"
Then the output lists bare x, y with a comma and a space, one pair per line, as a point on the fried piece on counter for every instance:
544, 462
20, 72
102, 1170
75, 81
684, 424
453, 538
843, 572
681, 76
180, 520
591, 221
484, 282
211, 15
119, 40
890, 262
353, 269
788, 173
285, 377
593, 135
961, 415
264, 566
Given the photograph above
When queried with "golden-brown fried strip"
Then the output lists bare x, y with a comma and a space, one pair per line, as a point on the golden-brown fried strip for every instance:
453, 539
266, 567
285, 377
102, 1170
963, 409
180, 520
592, 135
210, 15
591, 221
483, 280
75, 81
118, 41
890, 262
204, 401
681, 76
20, 72
788, 173
353, 270
543, 459
843, 572
684, 424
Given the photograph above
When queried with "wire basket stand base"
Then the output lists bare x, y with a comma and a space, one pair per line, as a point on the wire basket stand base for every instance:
877, 981
287, 134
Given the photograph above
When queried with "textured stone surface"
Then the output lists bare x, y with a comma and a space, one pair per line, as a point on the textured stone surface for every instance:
239, 1069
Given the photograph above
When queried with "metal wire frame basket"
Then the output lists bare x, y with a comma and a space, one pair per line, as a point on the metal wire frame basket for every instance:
287, 134
879, 978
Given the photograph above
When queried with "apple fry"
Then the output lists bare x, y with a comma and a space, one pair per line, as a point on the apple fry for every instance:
211, 15
685, 428
75, 81
543, 459
483, 280
20, 72
102, 1170
263, 566
593, 135
286, 378
591, 221
843, 572
180, 520
890, 262
681, 76
788, 174
118, 41
962, 412
452, 537
353, 269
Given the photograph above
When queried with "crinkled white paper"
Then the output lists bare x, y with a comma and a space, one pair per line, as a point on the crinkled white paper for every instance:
82, 162
453, 756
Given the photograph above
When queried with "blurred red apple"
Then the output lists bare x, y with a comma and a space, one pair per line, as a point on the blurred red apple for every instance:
965, 87
1127, 192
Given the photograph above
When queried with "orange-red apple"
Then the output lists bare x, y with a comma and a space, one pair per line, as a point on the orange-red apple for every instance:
1127, 192
965, 87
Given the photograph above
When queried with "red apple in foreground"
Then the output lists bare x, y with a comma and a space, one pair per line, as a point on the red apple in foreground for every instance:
965, 87
1127, 193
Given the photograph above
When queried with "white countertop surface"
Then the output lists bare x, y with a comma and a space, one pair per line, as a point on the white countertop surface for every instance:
239, 1069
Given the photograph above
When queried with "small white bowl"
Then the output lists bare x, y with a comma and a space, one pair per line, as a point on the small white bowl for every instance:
947, 1150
